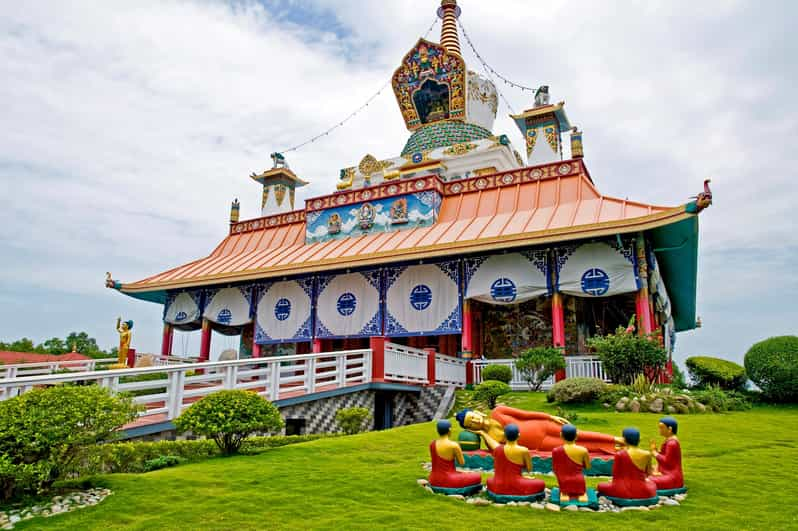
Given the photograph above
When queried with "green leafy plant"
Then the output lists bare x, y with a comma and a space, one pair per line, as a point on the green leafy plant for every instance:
501, 373
772, 365
163, 461
678, 380
352, 419
538, 364
489, 390
229, 417
625, 354
641, 385
706, 371
43, 431
576, 390
718, 400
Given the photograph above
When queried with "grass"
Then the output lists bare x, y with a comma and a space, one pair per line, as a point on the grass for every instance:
740, 469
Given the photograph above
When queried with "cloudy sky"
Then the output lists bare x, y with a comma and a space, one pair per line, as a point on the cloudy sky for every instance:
126, 128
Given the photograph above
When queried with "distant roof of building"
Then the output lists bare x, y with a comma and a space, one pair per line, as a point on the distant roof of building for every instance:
9, 357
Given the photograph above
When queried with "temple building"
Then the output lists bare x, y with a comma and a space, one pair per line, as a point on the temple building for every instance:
455, 243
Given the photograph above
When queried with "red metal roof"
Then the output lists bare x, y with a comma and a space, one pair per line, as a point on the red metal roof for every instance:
529, 206
9, 357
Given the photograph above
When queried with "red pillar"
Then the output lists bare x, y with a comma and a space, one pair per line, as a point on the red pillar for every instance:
205, 341
467, 346
317, 346
377, 345
469, 373
430, 366
255, 349
443, 345
166, 340
642, 303
558, 328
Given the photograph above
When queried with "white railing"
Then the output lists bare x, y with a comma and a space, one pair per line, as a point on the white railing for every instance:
159, 360
584, 367
517, 382
575, 367
405, 364
18, 370
450, 371
275, 378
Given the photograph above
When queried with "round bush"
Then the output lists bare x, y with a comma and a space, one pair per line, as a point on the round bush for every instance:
576, 390
772, 365
706, 371
352, 419
229, 417
501, 373
489, 390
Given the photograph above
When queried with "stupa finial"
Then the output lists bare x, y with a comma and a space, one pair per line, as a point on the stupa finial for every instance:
449, 12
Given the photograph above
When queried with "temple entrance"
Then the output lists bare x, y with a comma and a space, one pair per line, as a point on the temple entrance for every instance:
588, 317
383, 410
504, 331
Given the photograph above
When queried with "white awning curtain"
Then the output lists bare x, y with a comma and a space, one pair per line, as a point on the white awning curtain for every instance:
600, 269
283, 312
423, 299
183, 309
507, 278
228, 306
348, 305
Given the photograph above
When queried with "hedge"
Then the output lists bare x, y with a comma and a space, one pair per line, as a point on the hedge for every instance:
772, 365
706, 371
501, 373
576, 390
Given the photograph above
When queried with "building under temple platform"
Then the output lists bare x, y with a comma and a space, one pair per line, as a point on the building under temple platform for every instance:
454, 243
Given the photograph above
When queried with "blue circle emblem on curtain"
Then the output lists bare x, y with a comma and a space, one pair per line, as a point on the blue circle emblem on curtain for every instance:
224, 317
181, 316
282, 309
420, 297
595, 282
503, 290
347, 303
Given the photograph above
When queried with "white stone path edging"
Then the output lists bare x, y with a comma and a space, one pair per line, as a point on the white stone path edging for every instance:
57, 505
605, 505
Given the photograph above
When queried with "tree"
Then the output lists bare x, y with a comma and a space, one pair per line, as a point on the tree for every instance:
84, 344
624, 355
489, 390
55, 345
539, 364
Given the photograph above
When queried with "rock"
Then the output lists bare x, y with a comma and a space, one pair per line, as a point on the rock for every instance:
552, 507
422, 482
634, 508
621, 405
14, 518
656, 406
481, 501
670, 409
634, 407
587, 509
572, 508
624, 399
603, 500
512, 504
605, 405
457, 496
680, 497
670, 502
537, 505
523, 504
700, 407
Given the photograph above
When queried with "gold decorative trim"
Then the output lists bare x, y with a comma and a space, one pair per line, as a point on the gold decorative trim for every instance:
459, 149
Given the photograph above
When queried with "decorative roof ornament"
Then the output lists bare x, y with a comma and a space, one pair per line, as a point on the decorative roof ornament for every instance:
542, 96
278, 160
449, 12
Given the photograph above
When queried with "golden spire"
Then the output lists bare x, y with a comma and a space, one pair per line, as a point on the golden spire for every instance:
448, 12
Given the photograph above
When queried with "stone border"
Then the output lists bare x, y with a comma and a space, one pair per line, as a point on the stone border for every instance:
57, 505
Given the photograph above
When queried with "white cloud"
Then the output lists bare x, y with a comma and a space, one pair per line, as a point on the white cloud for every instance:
129, 127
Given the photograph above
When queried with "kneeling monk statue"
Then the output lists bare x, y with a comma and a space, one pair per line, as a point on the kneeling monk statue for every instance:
509, 460
630, 485
539, 431
444, 478
568, 461
669, 478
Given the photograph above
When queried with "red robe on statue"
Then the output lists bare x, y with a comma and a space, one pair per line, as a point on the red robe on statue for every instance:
670, 466
444, 475
507, 478
628, 481
570, 478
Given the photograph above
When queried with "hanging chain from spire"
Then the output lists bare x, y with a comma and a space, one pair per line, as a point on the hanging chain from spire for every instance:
487, 66
501, 94
353, 113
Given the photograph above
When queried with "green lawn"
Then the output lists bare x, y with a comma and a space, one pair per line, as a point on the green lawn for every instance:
741, 470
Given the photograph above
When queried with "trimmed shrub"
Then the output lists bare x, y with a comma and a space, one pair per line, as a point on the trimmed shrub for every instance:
706, 371
625, 355
501, 373
772, 365
164, 461
42, 432
538, 364
576, 390
489, 390
352, 419
229, 417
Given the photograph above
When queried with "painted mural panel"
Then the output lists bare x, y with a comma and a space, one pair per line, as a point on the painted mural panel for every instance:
419, 209
509, 330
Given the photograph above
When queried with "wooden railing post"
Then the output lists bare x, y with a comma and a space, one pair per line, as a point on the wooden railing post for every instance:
341, 369
430, 366
310, 375
274, 381
175, 390
377, 345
